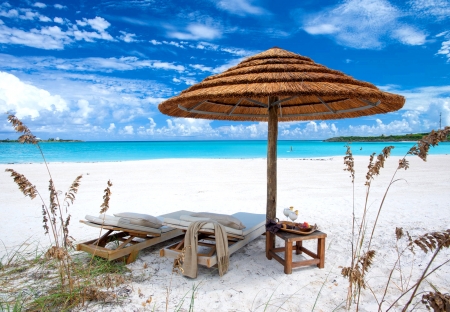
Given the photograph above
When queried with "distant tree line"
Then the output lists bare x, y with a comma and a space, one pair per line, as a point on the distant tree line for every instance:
381, 138
49, 140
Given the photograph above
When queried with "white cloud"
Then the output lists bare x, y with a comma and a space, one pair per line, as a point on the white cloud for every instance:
127, 37
419, 99
363, 24
128, 130
240, 131
155, 101
240, 7
196, 32
44, 19
49, 38
187, 80
201, 67
431, 8
25, 99
410, 36
40, 5
155, 42
53, 37
321, 29
187, 127
445, 49
151, 129
59, 6
176, 44
98, 23
10, 14
111, 128
84, 109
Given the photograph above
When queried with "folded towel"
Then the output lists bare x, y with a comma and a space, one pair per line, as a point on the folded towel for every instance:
191, 245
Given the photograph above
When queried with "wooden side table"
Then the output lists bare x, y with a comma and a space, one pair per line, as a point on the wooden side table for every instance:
289, 240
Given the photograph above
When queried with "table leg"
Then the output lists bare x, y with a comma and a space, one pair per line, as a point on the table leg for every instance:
321, 252
298, 246
288, 257
270, 243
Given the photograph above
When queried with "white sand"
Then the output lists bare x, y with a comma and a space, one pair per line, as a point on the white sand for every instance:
318, 188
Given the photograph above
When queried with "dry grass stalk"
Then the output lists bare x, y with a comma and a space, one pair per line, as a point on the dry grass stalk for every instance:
178, 262
349, 163
105, 205
72, 291
25, 186
27, 136
360, 264
432, 139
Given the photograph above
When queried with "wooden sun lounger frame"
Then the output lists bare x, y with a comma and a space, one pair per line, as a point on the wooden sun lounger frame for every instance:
97, 247
206, 239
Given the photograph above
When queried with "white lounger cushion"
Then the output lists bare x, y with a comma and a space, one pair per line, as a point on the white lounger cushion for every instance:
209, 226
250, 220
141, 219
125, 223
226, 220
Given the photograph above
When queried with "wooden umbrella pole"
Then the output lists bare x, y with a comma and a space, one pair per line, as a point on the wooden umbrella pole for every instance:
272, 137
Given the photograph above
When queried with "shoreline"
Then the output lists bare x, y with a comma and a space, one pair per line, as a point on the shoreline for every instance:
200, 158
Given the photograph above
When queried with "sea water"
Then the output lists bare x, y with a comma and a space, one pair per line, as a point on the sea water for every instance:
123, 151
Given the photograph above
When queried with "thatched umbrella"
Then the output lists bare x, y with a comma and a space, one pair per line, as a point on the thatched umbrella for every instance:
278, 85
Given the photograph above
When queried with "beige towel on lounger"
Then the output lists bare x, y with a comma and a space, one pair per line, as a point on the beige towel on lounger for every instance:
191, 244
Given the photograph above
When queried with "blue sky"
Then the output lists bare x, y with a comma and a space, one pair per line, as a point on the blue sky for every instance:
97, 70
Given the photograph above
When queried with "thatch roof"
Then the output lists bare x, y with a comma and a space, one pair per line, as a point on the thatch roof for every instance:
305, 91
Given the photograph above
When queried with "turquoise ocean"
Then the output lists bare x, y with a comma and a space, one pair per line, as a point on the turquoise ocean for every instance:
123, 151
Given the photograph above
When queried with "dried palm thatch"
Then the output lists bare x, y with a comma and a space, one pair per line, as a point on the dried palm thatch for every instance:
304, 89
278, 85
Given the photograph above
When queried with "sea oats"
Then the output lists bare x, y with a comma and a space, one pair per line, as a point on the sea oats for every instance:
24, 185
105, 205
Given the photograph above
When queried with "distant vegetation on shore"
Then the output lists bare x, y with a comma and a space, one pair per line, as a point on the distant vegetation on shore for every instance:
382, 138
49, 140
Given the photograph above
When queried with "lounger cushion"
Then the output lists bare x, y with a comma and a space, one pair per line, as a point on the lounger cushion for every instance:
223, 219
141, 219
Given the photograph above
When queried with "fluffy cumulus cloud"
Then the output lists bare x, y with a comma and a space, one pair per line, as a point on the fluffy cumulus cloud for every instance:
363, 24
26, 100
240, 7
128, 130
111, 127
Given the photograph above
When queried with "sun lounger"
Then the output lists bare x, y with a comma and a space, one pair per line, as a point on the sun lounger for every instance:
254, 227
130, 238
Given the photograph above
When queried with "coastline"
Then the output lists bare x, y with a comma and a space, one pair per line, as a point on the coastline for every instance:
320, 190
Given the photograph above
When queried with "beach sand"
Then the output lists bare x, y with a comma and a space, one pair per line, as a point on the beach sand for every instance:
319, 188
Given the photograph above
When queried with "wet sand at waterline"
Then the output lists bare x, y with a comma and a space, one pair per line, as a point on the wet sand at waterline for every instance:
319, 188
